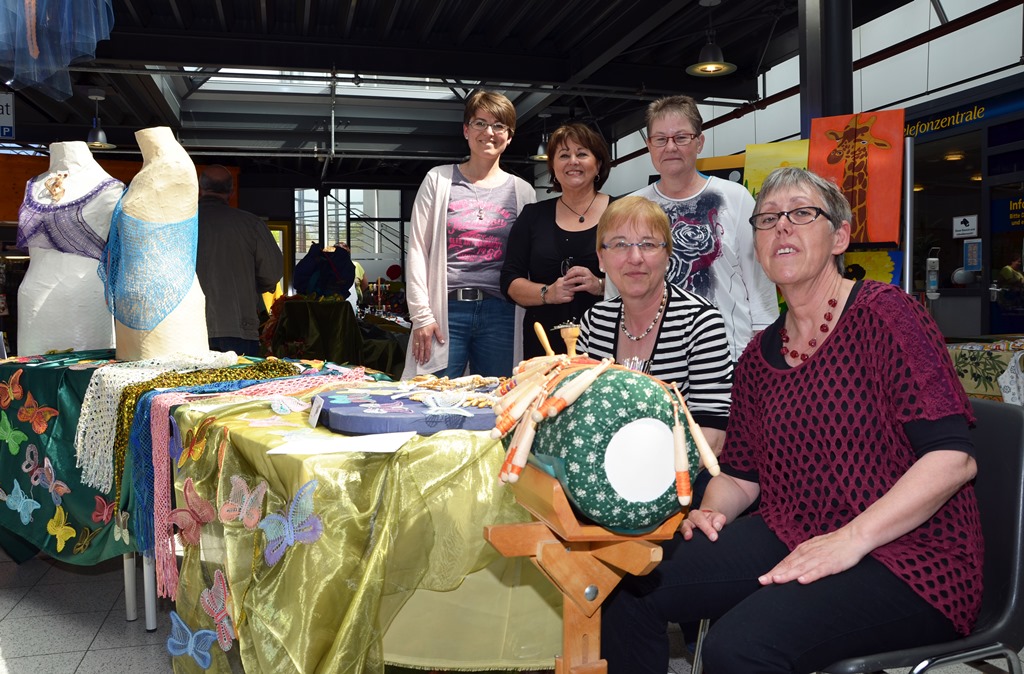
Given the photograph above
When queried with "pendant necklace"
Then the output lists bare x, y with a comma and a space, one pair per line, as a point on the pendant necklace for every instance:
583, 215
661, 309
812, 343
476, 196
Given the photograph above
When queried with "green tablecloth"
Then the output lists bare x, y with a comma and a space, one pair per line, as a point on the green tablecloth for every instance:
48, 391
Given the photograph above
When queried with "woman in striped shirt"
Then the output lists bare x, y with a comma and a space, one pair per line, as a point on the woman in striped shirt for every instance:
653, 326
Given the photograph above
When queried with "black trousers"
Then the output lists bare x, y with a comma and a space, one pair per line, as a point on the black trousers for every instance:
778, 628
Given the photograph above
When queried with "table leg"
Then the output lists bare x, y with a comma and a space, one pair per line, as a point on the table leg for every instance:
149, 591
130, 611
581, 642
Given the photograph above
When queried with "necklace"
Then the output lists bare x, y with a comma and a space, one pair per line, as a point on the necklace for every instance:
55, 185
812, 343
661, 309
583, 215
476, 196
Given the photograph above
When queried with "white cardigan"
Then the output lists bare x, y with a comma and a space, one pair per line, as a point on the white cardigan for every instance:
427, 273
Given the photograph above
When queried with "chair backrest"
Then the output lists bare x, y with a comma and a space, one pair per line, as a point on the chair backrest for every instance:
999, 442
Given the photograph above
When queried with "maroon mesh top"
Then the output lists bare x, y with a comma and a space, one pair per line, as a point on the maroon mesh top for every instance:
825, 440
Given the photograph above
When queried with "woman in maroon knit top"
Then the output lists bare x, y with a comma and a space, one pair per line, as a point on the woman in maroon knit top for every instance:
850, 424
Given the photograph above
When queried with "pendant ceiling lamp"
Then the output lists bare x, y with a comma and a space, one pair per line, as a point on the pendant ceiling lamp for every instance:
97, 138
542, 148
711, 61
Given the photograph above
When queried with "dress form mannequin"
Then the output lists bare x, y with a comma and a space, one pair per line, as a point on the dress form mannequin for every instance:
60, 300
165, 190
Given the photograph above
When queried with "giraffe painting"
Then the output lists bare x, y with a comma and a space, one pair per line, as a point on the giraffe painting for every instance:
852, 145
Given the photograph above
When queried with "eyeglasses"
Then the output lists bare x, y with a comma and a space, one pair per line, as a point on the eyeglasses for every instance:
804, 215
646, 248
567, 264
680, 139
480, 125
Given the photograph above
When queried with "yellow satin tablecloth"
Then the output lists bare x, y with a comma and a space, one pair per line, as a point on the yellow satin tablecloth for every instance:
401, 573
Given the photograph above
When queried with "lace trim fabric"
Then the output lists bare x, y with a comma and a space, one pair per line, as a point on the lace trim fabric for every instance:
40, 38
268, 369
140, 444
94, 437
147, 267
61, 227
164, 543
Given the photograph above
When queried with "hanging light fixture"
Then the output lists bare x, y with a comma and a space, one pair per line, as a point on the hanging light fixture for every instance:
97, 138
542, 148
711, 61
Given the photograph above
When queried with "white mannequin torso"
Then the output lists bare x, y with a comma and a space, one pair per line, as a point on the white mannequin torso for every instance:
60, 300
165, 190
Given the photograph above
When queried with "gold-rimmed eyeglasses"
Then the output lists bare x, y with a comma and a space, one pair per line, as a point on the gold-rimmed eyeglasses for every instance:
497, 127
804, 215
680, 139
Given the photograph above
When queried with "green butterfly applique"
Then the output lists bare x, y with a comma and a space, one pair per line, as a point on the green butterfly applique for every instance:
12, 436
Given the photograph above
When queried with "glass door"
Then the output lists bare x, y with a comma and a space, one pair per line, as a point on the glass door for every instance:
1006, 294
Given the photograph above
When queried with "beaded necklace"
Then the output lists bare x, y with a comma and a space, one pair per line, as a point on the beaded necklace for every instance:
661, 309
812, 343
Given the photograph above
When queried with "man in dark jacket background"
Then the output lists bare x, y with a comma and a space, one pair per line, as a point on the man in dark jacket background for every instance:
238, 259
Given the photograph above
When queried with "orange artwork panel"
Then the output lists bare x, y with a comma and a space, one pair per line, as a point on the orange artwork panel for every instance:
863, 154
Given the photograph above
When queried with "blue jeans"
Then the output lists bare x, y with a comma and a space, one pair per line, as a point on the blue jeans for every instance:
243, 347
480, 334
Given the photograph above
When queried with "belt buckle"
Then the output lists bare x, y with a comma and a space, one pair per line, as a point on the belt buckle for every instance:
469, 294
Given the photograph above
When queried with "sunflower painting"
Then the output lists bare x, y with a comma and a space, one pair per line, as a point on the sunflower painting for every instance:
878, 265
764, 158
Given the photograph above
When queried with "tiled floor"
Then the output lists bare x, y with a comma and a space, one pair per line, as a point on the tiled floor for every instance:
61, 619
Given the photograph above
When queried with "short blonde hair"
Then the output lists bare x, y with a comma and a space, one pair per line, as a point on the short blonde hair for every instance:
638, 210
494, 103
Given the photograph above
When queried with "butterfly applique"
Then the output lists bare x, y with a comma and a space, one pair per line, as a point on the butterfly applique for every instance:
387, 408
31, 462
194, 443
121, 527
85, 538
214, 601
11, 435
21, 504
104, 510
349, 398
287, 405
11, 390
197, 512
36, 414
58, 526
243, 504
44, 475
183, 641
301, 525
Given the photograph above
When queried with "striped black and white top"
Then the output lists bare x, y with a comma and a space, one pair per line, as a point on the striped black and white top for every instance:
690, 349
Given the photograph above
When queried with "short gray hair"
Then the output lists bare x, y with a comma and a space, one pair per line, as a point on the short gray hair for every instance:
834, 202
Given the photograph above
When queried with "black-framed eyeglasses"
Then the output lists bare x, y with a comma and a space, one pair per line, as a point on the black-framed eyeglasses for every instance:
567, 264
680, 139
480, 125
804, 215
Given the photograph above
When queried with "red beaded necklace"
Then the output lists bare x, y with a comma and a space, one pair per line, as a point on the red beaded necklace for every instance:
812, 344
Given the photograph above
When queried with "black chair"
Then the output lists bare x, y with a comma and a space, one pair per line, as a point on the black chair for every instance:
999, 633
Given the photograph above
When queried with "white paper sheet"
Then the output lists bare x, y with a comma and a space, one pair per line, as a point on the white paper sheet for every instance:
318, 443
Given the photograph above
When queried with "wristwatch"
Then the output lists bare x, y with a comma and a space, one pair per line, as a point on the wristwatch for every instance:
543, 294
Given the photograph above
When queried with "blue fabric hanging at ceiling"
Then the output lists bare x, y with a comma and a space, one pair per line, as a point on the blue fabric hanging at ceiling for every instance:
40, 38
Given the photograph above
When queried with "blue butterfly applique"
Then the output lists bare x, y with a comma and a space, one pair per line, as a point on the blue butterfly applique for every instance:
349, 398
301, 525
21, 504
183, 641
